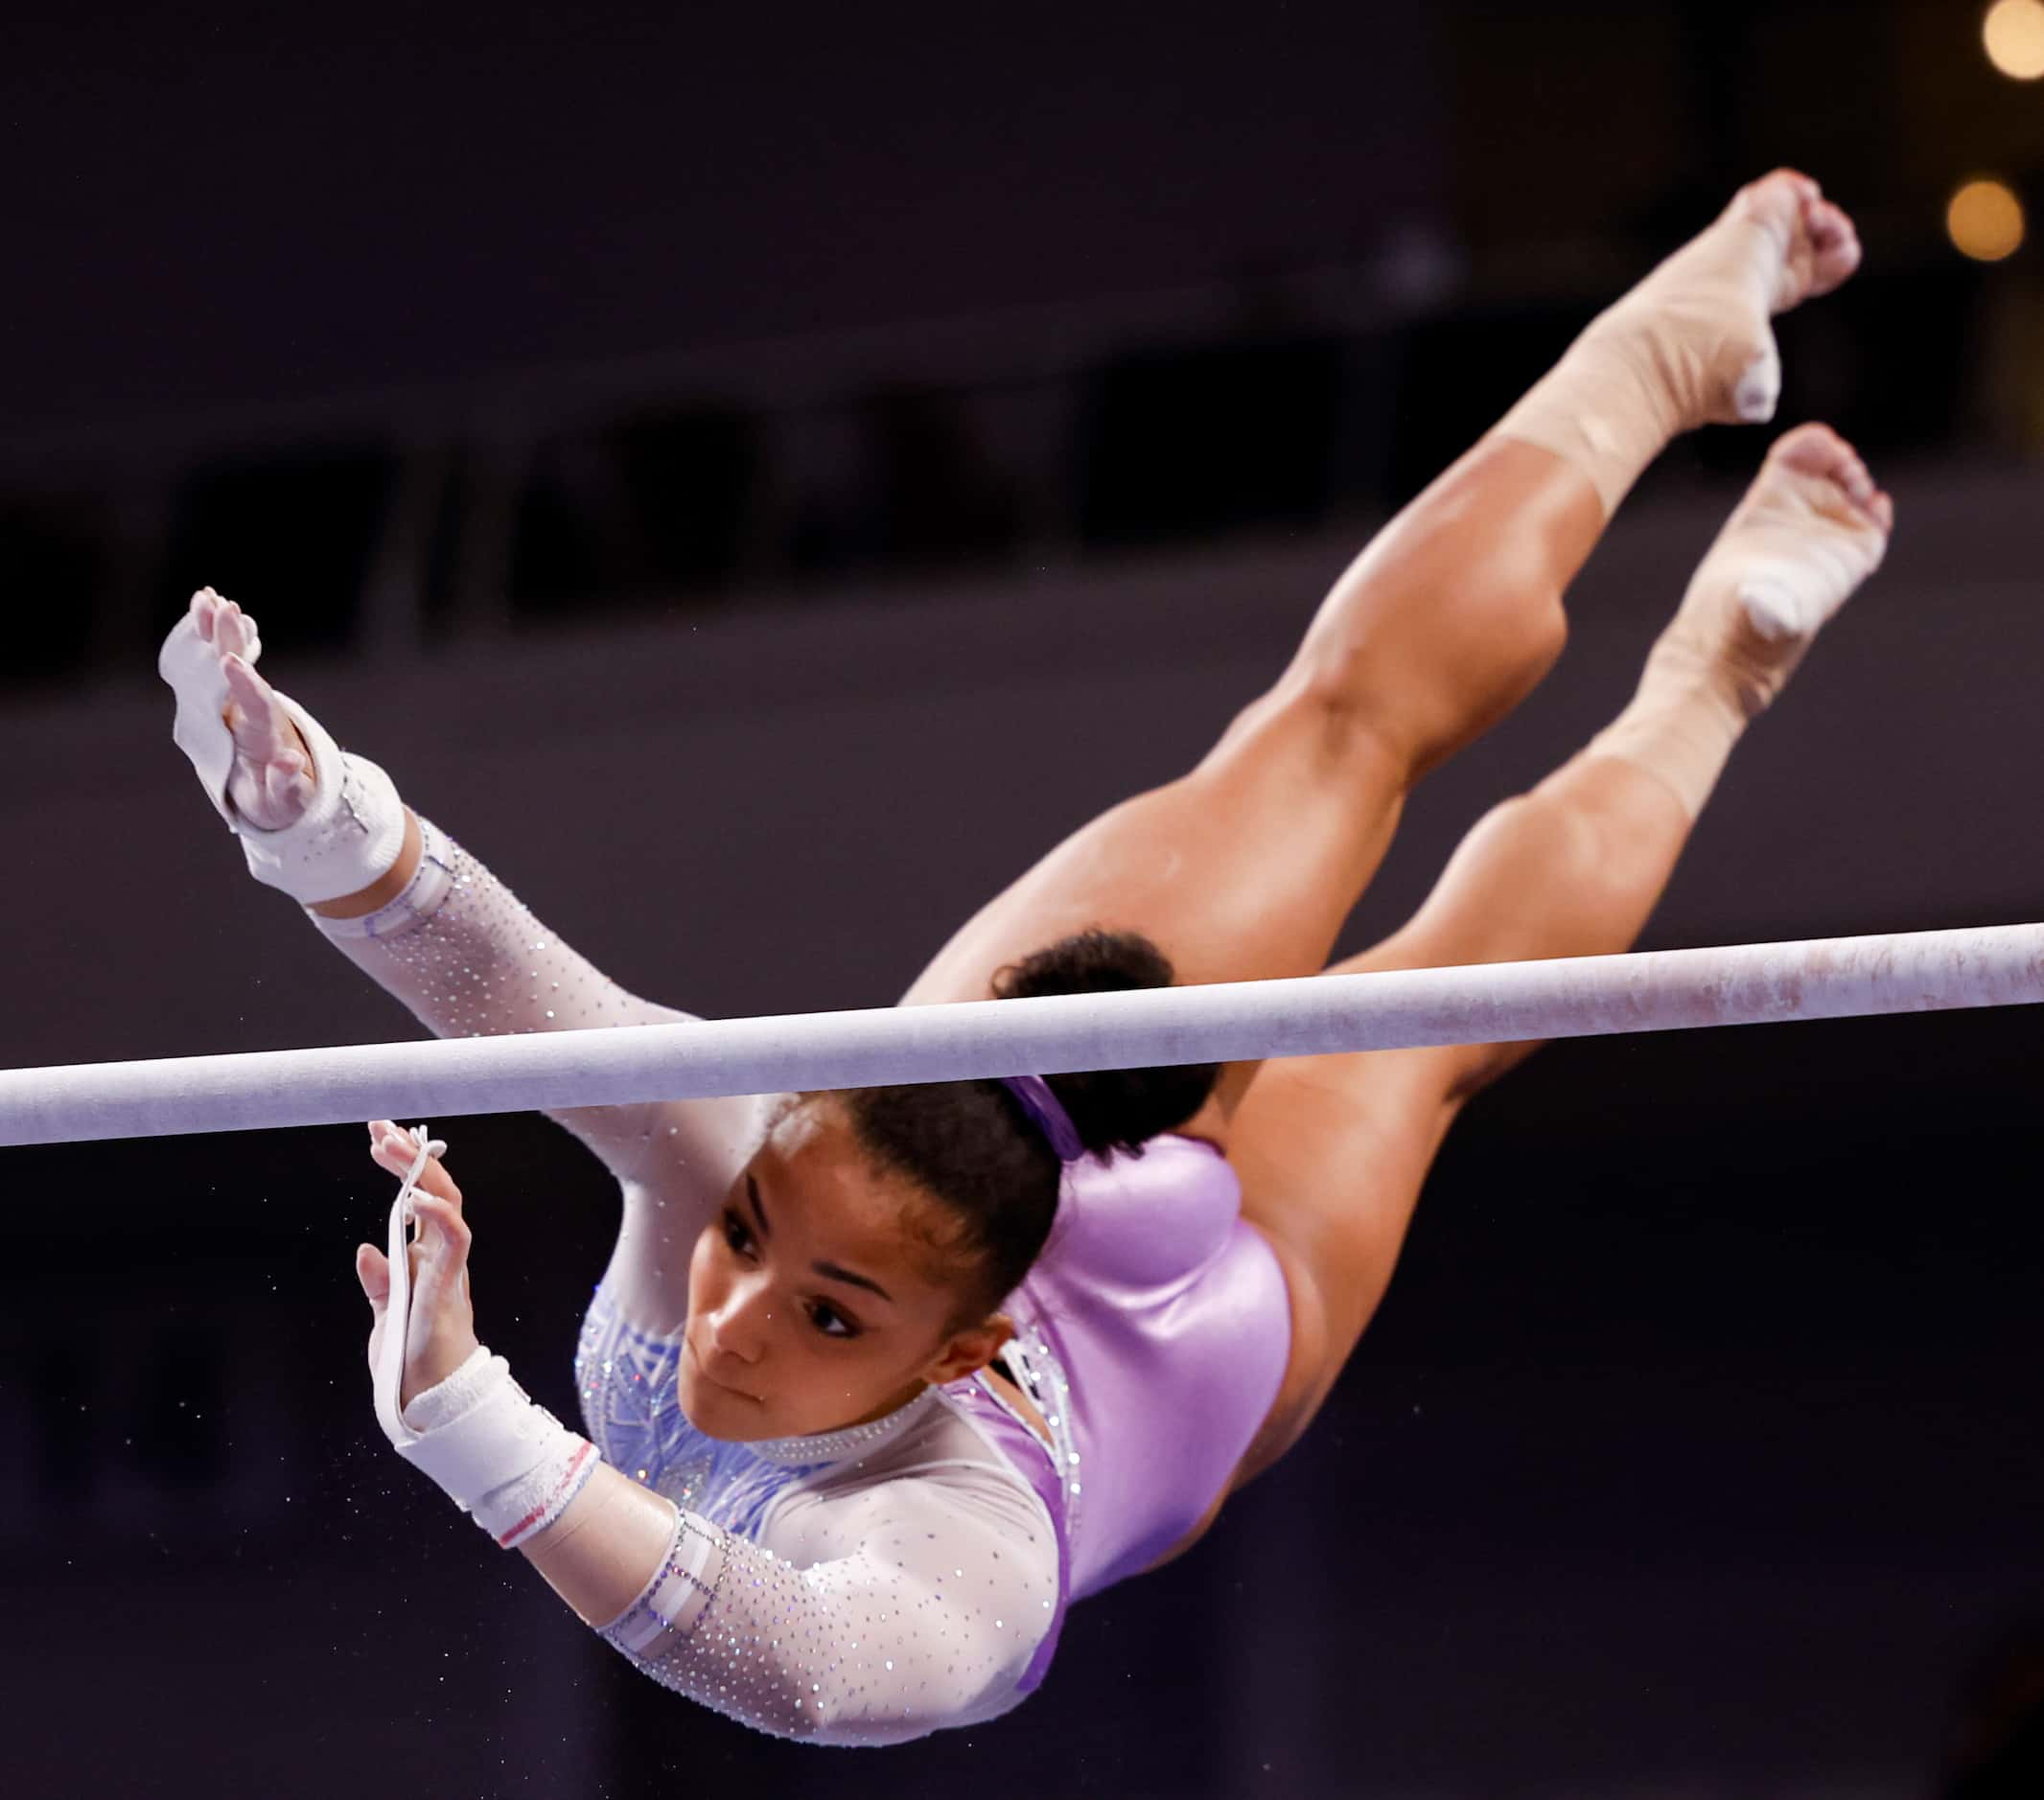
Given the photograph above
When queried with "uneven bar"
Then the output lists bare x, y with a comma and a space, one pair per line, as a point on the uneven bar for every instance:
1663, 990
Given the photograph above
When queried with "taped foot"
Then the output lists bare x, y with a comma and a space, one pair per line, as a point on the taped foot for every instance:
1691, 344
1699, 324
1808, 533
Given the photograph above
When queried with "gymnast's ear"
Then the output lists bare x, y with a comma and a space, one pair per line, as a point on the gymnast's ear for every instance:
965, 1352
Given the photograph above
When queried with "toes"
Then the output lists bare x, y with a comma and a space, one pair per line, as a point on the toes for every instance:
1817, 450
1806, 188
1845, 469
1827, 224
1779, 185
1834, 246
1814, 447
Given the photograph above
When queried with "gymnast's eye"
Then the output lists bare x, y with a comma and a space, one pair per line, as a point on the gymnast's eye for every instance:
737, 1235
829, 1321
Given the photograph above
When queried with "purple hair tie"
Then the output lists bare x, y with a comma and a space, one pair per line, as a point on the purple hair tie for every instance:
1051, 1117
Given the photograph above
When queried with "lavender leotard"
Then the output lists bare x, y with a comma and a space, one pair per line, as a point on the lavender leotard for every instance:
1168, 1316
871, 1584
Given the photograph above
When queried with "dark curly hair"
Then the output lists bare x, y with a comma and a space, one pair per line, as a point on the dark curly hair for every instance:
970, 1144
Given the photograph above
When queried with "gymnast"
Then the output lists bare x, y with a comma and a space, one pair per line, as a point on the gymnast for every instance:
878, 1383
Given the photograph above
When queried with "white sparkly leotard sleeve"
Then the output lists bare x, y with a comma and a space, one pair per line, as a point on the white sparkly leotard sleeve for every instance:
862, 1588
902, 1592
469, 959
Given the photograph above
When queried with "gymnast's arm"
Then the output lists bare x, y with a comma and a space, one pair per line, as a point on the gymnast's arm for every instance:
925, 1611
869, 1605
410, 908
470, 959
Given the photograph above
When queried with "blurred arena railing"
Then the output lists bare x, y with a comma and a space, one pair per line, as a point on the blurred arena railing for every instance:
1286, 400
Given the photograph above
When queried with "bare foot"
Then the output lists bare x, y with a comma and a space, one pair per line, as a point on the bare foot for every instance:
1698, 324
1810, 530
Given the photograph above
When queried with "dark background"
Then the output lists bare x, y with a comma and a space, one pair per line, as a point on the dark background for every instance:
760, 478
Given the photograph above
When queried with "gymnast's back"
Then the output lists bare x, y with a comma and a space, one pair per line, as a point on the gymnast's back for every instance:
1150, 1334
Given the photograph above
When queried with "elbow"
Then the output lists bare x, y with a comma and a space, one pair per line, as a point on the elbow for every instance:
838, 1722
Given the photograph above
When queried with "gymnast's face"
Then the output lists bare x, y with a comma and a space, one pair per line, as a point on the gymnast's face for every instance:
819, 1295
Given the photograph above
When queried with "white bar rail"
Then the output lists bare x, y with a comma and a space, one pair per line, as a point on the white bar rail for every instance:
1663, 990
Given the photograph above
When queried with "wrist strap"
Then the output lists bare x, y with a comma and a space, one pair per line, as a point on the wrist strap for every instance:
349, 836
501, 1457
389, 1374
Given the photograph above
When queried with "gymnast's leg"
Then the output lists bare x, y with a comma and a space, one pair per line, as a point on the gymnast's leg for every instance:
1246, 867
1332, 1149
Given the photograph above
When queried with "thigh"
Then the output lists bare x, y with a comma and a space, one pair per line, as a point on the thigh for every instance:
1247, 869
1332, 1152
1242, 870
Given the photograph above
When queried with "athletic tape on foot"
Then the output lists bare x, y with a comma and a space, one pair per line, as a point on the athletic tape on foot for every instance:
1690, 344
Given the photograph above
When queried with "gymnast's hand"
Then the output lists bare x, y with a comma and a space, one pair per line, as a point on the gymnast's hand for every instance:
272, 781
443, 1322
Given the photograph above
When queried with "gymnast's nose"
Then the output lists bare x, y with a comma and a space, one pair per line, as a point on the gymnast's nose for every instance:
739, 1328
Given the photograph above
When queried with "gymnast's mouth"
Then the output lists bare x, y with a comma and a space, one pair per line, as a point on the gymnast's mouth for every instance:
702, 1368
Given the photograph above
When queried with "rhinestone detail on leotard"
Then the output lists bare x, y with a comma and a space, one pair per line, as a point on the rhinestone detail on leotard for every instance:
916, 1582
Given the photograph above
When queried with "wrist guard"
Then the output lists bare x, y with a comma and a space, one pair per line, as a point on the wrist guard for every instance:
501, 1457
352, 831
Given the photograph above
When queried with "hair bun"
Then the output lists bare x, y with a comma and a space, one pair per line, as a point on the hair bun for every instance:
1113, 1109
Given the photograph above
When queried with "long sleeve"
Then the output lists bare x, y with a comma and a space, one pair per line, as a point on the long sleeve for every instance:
468, 959
926, 1608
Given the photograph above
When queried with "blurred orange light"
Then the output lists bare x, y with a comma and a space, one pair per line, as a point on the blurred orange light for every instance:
2013, 32
1986, 220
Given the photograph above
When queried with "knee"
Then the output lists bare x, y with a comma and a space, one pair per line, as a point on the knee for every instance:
1562, 847
1548, 628
1523, 629
1488, 646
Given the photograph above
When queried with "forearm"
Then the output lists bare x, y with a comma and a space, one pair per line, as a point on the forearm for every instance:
865, 1616
604, 1550
386, 886
441, 933
422, 919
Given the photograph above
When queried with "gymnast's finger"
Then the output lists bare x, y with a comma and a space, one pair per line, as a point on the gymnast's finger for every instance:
444, 1235
252, 714
395, 1150
235, 632
372, 1269
390, 1148
433, 1179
